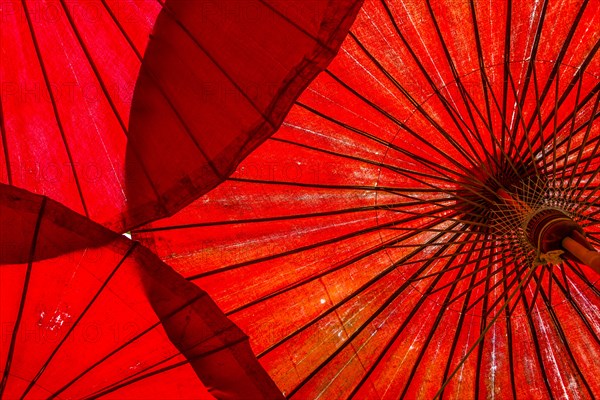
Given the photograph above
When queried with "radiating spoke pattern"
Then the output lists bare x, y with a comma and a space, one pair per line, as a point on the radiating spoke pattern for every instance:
365, 248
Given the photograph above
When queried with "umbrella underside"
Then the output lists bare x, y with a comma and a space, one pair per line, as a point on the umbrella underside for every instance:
381, 243
423, 223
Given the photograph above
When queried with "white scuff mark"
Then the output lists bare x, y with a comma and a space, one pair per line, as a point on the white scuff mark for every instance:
494, 365
348, 110
135, 366
466, 350
431, 58
551, 358
55, 322
589, 308
343, 141
410, 349
381, 84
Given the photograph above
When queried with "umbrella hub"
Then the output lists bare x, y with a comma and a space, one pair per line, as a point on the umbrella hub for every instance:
547, 228
550, 231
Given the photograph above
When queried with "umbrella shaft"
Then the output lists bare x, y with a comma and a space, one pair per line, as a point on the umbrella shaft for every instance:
588, 257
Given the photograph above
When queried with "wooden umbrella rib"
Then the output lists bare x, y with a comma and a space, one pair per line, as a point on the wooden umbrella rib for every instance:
569, 142
522, 293
364, 287
547, 141
565, 46
506, 58
402, 171
419, 107
467, 99
72, 327
300, 249
427, 163
580, 313
490, 290
555, 131
509, 334
578, 76
563, 336
432, 330
399, 331
474, 272
107, 95
54, 106
584, 278
519, 153
484, 314
462, 317
144, 372
532, 59
347, 262
536, 345
483, 74
352, 210
585, 186
538, 285
110, 389
122, 30
474, 260
371, 318
5, 145
401, 125
364, 254
539, 137
26, 280
124, 345
452, 112
484, 332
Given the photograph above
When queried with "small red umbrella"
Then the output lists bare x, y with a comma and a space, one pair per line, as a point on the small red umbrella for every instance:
127, 111
87, 313
424, 222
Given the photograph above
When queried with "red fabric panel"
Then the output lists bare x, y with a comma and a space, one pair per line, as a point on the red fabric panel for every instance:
68, 75
106, 317
217, 79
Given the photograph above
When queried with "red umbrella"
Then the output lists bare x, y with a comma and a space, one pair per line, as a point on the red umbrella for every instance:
87, 313
421, 223
215, 79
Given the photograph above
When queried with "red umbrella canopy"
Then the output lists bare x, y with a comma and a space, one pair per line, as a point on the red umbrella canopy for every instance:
125, 111
87, 313
423, 224
68, 72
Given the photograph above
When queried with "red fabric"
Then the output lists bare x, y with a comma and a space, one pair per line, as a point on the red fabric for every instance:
87, 312
344, 245
68, 74
217, 80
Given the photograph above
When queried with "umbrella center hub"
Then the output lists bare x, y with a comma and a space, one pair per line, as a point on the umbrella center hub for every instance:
539, 227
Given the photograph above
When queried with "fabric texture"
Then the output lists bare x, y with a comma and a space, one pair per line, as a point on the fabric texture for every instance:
365, 248
125, 111
104, 317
